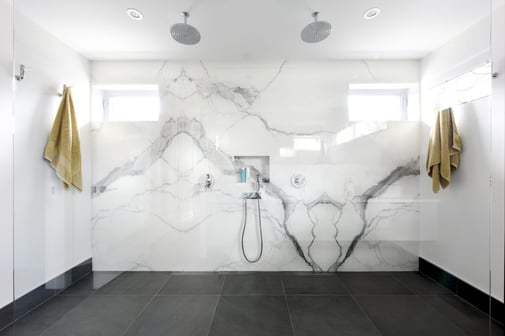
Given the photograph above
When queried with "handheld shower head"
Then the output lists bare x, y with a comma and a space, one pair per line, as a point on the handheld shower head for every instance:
316, 31
185, 33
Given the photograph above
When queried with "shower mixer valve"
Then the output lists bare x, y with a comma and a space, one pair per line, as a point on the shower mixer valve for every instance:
209, 181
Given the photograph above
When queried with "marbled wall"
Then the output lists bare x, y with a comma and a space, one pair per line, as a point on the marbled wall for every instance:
358, 208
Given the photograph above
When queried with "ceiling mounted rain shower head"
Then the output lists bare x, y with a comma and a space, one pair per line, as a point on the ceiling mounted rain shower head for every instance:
316, 31
185, 33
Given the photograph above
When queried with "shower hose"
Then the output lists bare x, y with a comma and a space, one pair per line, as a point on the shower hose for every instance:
252, 261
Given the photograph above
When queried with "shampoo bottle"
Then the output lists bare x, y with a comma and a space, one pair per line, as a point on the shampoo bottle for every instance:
243, 175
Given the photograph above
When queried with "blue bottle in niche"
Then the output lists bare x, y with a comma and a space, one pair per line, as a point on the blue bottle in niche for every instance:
243, 175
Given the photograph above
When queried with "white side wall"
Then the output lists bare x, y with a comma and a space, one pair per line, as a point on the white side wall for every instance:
498, 126
52, 226
6, 123
456, 222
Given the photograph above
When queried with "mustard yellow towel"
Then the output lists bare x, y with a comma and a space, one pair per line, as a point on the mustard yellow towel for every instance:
63, 148
443, 150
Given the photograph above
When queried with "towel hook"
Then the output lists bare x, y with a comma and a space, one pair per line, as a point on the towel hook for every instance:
22, 70
64, 86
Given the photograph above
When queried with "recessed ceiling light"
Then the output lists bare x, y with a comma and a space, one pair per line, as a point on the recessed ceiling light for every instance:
134, 14
372, 13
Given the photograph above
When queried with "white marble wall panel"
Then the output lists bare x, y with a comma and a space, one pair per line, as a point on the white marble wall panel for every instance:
358, 209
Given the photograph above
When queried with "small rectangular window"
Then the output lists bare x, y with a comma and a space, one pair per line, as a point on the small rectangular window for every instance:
307, 143
124, 103
379, 102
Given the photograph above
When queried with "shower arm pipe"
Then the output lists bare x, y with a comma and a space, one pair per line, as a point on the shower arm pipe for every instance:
186, 16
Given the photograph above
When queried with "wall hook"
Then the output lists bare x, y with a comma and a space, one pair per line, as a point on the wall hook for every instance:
64, 86
22, 70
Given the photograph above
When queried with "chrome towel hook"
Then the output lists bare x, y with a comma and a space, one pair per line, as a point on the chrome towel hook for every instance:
64, 87
22, 70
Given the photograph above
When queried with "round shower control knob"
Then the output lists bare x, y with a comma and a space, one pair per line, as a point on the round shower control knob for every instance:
298, 181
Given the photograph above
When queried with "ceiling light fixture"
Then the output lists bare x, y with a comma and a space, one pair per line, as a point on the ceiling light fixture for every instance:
372, 13
134, 14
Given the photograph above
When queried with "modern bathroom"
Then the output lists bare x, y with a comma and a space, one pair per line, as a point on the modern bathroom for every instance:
252, 168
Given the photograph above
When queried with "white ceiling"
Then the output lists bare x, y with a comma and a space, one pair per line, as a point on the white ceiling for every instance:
251, 29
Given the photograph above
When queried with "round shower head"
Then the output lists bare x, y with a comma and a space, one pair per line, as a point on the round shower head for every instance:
185, 33
316, 31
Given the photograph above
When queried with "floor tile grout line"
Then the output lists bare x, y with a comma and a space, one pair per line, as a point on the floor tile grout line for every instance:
116, 278
287, 307
342, 283
361, 307
85, 297
63, 316
57, 293
215, 307
403, 284
146, 306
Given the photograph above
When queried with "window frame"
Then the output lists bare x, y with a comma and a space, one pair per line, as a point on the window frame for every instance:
105, 93
404, 92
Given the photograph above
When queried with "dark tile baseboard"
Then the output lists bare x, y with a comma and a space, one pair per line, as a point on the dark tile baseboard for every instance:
44, 292
464, 290
6, 315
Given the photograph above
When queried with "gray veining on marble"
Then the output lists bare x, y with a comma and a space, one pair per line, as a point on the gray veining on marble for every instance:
159, 192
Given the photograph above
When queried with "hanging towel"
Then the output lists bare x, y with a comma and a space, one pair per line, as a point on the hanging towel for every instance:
63, 148
443, 150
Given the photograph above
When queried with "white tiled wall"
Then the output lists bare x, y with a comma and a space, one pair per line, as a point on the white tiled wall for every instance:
52, 226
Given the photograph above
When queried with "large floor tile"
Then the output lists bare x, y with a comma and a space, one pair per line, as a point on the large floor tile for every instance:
329, 316
419, 284
100, 316
196, 284
33, 299
46, 315
253, 284
9, 331
373, 284
135, 283
468, 318
314, 285
251, 316
400, 315
176, 315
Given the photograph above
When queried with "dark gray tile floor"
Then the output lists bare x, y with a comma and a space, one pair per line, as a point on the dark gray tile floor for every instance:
254, 304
